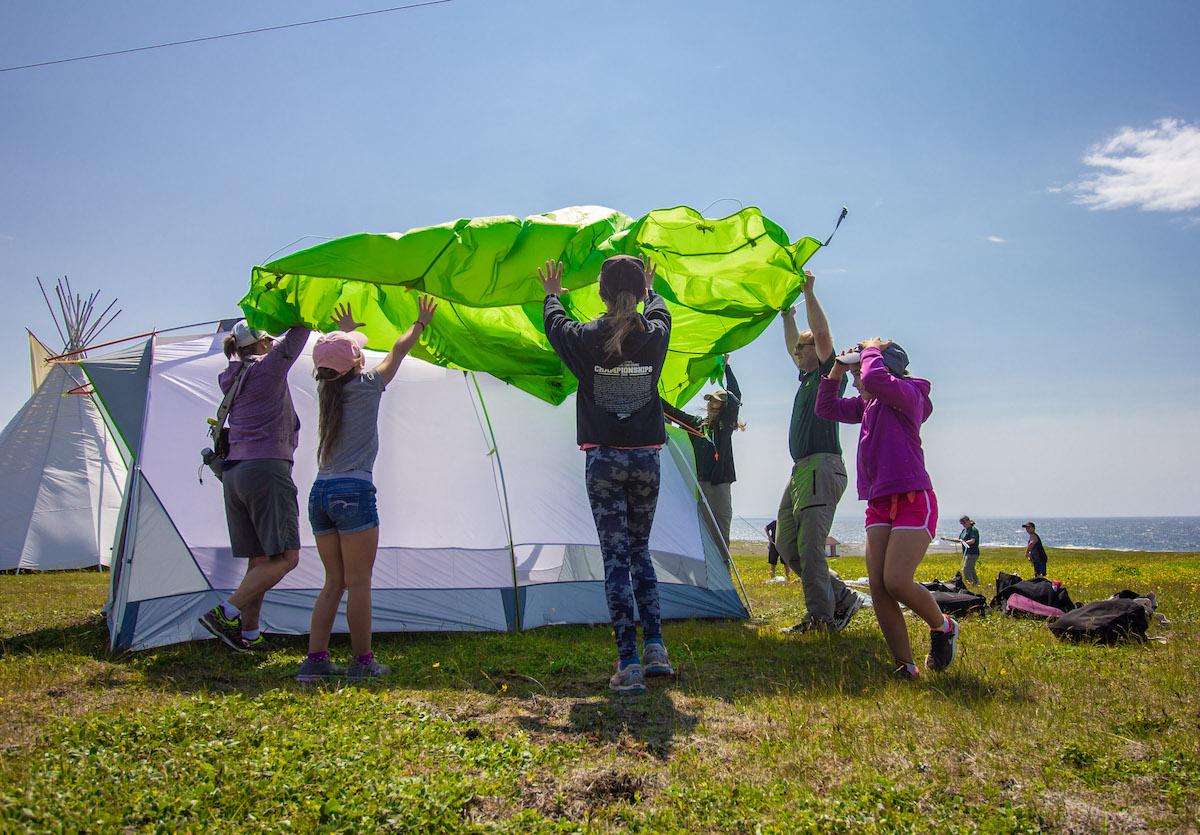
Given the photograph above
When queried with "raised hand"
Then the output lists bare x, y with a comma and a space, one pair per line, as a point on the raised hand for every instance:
343, 317
648, 269
426, 307
810, 281
551, 276
876, 342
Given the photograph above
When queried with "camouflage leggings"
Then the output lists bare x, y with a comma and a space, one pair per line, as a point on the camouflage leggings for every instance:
622, 485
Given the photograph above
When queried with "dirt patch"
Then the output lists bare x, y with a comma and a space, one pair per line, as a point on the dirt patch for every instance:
584, 792
1075, 814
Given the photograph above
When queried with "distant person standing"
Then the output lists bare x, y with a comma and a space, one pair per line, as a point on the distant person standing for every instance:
1035, 551
968, 538
773, 556
818, 477
712, 445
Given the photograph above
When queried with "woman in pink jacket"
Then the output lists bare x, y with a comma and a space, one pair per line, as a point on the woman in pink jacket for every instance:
901, 505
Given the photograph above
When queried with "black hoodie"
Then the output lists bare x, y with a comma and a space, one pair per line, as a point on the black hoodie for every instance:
618, 403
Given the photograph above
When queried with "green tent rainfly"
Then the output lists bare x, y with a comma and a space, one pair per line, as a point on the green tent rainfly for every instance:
724, 280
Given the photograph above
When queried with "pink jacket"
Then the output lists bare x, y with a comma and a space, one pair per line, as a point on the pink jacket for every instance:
890, 458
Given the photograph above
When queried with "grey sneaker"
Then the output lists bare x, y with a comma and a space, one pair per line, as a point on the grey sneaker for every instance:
229, 630
311, 671
810, 624
359, 671
655, 661
841, 618
629, 680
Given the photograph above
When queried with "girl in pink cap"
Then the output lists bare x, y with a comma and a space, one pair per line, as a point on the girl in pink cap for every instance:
341, 505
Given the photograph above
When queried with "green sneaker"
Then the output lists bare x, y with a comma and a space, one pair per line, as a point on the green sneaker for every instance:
228, 630
259, 644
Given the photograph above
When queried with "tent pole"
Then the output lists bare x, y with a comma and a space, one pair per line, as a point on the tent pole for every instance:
512, 551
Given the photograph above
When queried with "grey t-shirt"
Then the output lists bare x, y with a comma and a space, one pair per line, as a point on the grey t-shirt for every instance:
354, 451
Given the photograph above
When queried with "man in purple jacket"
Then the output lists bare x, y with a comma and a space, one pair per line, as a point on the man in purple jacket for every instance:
261, 506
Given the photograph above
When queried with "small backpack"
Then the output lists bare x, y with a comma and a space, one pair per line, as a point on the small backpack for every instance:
1104, 622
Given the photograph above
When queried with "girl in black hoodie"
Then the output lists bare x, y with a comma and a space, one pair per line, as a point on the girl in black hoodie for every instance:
618, 359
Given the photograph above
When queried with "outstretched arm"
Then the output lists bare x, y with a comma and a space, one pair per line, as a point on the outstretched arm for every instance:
731, 383
891, 390
817, 323
791, 334
561, 330
654, 309
390, 364
286, 351
832, 407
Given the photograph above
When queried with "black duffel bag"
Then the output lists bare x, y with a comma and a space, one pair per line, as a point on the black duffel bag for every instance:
959, 603
1104, 622
1038, 589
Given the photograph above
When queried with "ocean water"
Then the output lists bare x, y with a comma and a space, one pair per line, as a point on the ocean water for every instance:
1138, 533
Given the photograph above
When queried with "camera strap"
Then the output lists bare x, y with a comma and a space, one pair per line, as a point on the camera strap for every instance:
223, 410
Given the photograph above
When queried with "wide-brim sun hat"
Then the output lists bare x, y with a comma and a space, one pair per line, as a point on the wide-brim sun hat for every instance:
339, 351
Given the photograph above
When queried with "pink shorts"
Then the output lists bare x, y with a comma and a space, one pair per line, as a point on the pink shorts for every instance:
913, 511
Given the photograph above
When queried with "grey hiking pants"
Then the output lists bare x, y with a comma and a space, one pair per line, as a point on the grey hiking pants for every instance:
721, 503
805, 517
968, 569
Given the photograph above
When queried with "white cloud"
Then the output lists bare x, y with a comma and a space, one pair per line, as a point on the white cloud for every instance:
996, 239
1156, 169
1187, 221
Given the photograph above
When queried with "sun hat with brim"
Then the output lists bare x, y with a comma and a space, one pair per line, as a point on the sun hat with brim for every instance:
339, 351
719, 396
622, 273
245, 335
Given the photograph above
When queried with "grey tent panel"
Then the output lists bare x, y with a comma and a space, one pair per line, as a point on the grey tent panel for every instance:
121, 381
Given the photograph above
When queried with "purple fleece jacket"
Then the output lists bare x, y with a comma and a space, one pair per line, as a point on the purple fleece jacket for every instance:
263, 422
890, 459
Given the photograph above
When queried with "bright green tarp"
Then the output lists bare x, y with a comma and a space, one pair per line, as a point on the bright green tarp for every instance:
724, 280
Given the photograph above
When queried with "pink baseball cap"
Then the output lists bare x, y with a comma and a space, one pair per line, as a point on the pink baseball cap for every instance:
339, 350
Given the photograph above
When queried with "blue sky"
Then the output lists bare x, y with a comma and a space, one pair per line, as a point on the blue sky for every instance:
1023, 182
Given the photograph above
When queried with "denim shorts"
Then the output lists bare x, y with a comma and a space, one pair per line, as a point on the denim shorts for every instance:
342, 505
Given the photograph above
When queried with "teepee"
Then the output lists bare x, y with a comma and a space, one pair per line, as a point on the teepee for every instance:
64, 470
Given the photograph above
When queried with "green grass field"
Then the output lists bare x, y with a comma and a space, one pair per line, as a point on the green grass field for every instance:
761, 731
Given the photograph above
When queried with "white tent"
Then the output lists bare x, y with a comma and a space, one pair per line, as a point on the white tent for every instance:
485, 523
63, 473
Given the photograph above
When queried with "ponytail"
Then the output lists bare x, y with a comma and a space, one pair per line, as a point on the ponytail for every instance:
329, 410
623, 316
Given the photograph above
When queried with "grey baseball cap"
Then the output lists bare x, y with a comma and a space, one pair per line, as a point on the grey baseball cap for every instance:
245, 335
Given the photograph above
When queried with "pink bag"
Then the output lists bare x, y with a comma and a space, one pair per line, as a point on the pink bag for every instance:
1019, 604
